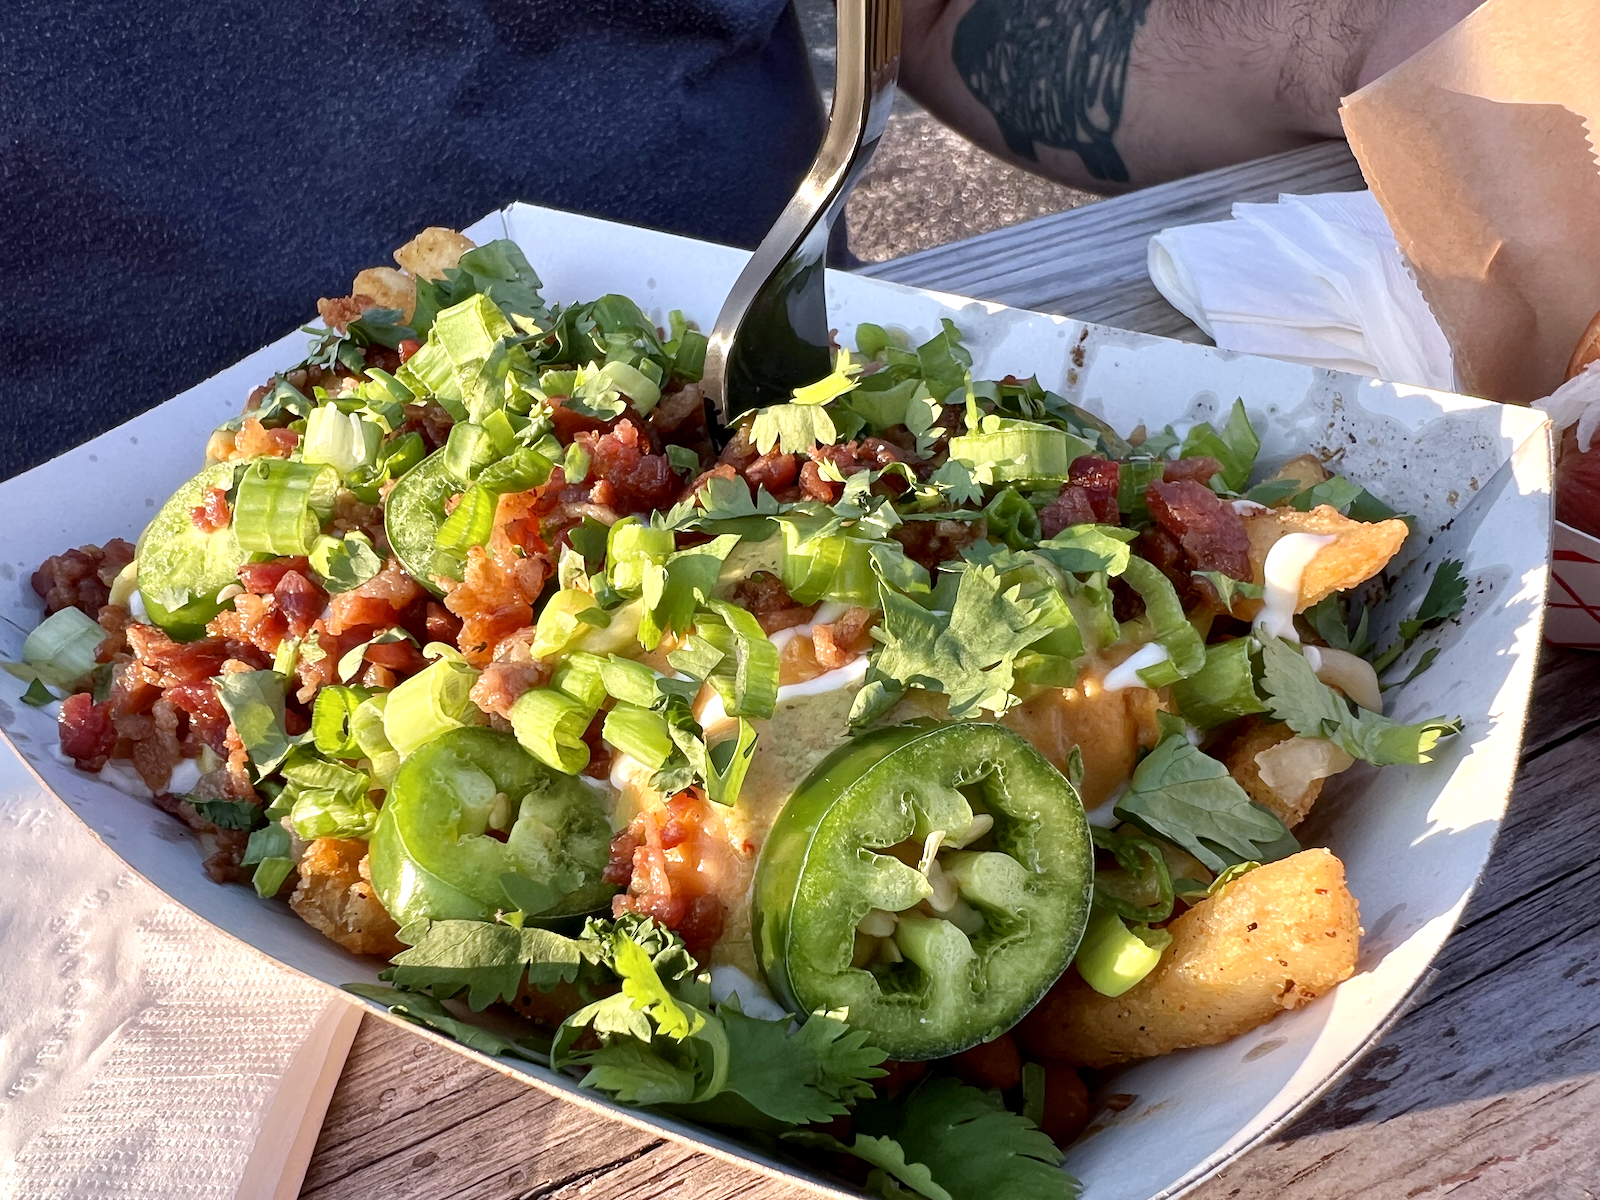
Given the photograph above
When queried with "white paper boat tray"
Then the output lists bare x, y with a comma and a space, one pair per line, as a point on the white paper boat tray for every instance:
1476, 475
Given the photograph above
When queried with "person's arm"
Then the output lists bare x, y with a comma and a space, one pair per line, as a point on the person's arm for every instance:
1112, 94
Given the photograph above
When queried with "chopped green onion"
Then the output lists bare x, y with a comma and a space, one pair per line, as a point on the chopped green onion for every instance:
471, 524
629, 681
343, 441
366, 731
729, 763
61, 649
633, 546
640, 734
1113, 957
575, 467
467, 451
835, 566
1186, 652
633, 384
581, 676
747, 679
559, 624
281, 505
332, 718
433, 701
1222, 690
1009, 451
403, 453
521, 470
550, 726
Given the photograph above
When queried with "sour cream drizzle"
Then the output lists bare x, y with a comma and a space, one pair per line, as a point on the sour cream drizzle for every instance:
1126, 673
1286, 564
852, 672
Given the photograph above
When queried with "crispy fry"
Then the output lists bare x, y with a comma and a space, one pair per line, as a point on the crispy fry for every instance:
1280, 771
1273, 939
388, 288
335, 897
432, 252
1358, 553
1306, 470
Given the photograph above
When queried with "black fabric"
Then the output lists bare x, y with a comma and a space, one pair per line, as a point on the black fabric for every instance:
180, 181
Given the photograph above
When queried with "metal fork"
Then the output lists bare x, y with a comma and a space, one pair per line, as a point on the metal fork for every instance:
772, 334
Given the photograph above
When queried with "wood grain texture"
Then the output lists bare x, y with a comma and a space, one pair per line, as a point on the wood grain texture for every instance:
1488, 1088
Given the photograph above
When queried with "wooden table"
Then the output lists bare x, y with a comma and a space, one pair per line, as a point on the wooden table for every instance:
1488, 1087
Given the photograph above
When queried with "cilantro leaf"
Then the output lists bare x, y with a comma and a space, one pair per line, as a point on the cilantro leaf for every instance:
793, 427
1085, 548
1311, 708
1188, 798
674, 589
956, 483
811, 1075
1235, 447
227, 814
636, 1073
483, 958
1446, 596
345, 563
1228, 588
830, 387
253, 701
425, 1010
643, 987
971, 1148
968, 655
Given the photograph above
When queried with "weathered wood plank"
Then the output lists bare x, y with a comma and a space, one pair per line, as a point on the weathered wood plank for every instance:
1089, 262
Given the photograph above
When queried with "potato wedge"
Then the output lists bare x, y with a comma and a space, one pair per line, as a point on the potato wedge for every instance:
388, 288
1359, 551
1108, 728
1305, 469
335, 897
432, 252
1281, 772
1272, 939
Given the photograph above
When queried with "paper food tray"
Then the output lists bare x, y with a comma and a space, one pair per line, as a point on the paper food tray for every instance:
1414, 840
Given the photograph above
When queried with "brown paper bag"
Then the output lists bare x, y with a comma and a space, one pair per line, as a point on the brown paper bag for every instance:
1481, 150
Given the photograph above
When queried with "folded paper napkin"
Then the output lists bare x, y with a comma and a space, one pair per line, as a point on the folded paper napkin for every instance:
1314, 279
143, 1053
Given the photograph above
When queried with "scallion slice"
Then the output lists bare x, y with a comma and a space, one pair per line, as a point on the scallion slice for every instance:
61, 649
281, 505
344, 441
640, 734
433, 701
550, 726
332, 719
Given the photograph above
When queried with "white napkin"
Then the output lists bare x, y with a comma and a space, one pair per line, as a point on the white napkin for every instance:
1315, 279
143, 1053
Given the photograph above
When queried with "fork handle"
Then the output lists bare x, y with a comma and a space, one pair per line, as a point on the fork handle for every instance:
785, 329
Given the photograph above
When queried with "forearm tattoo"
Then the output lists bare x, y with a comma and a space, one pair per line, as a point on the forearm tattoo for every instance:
1052, 72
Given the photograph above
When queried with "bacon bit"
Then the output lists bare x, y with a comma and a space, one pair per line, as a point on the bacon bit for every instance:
261, 578
253, 621
774, 471
114, 619
720, 471
381, 357
502, 683
87, 734
254, 440
81, 578
502, 580
1212, 534
165, 662
764, 597
849, 459
408, 347
300, 601
208, 720
431, 419
1089, 496
214, 513
844, 640
619, 870
680, 418
378, 603
930, 543
639, 481
666, 882
439, 624
1199, 469
157, 752
337, 313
